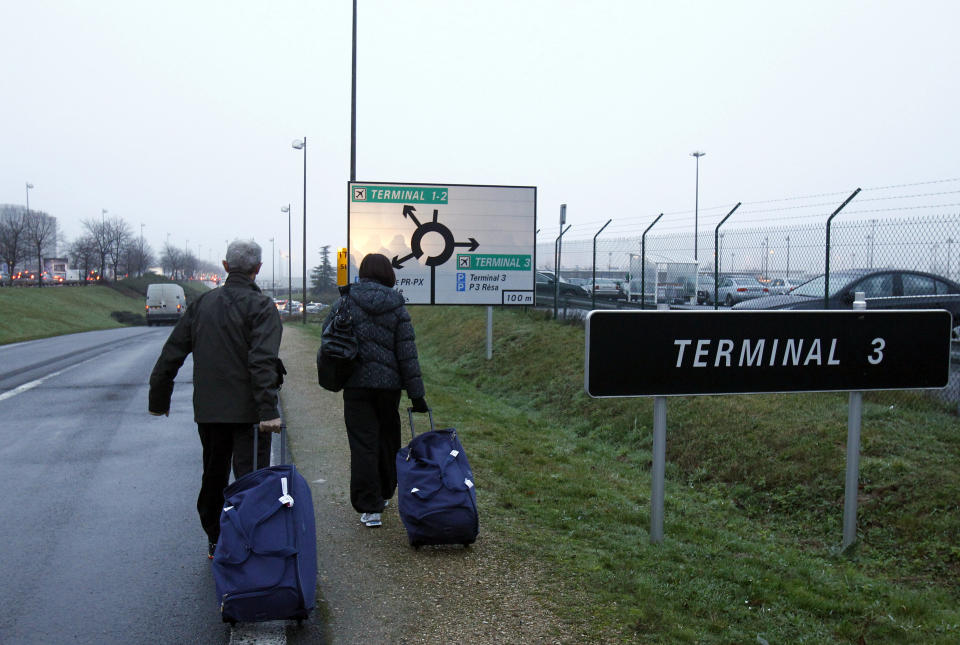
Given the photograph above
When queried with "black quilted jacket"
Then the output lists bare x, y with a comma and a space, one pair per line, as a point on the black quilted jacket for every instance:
388, 354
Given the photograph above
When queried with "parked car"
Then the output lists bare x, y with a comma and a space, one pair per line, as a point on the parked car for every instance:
607, 288
545, 287
315, 307
779, 286
737, 288
705, 288
882, 289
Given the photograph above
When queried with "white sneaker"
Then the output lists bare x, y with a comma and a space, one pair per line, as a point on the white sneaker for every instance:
371, 519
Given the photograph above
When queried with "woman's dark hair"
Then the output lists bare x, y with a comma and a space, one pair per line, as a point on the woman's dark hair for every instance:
377, 267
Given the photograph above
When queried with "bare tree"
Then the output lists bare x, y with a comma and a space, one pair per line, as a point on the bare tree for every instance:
191, 265
138, 256
12, 238
118, 234
171, 259
97, 232
41, 233
83, 253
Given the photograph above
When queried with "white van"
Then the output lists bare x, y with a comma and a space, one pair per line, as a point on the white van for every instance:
165, 303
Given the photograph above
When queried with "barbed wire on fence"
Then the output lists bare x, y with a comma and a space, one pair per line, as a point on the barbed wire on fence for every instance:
811, 207
787, 251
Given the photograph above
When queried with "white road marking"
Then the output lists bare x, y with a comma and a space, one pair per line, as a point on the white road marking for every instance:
32, 384
269, 633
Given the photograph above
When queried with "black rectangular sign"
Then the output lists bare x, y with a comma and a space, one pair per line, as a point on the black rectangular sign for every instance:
663, 353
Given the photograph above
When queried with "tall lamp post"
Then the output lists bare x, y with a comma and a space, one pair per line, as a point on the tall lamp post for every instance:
788, 259
949, 254
301, 144
40, 270
696, 202
273, 269
286, 209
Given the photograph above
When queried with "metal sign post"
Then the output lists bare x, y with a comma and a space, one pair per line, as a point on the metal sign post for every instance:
852, 484
489, 333
659, 468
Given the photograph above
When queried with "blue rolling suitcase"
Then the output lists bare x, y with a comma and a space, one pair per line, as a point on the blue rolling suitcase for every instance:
265, 565
437, 501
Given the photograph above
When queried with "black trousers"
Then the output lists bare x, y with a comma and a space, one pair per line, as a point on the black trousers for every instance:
223, 443
373, 430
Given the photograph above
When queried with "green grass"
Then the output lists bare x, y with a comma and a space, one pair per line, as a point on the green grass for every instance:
754, 497
27, 313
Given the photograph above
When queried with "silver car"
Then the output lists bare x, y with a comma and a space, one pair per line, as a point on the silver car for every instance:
732, 289
780, 286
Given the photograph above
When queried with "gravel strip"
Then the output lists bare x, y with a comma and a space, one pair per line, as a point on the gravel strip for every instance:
373, 587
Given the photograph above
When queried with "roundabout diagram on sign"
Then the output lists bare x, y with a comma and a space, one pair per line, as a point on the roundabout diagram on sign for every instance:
416, 241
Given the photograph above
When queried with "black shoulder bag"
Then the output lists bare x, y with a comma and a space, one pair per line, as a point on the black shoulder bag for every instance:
337, 357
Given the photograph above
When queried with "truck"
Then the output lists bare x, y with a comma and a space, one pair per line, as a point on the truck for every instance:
665, 280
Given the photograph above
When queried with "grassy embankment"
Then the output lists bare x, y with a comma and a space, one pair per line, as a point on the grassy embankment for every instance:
754, 497
27, 313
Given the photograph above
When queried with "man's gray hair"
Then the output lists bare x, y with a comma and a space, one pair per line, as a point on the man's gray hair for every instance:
243, 256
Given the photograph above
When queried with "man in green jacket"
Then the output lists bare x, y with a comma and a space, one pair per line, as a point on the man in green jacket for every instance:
234, 334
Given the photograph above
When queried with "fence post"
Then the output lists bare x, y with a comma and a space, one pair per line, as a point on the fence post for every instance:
716, 256
826, 268
643, 264
556, 276
593, 286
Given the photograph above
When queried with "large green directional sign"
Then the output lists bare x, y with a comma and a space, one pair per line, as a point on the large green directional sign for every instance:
449, 243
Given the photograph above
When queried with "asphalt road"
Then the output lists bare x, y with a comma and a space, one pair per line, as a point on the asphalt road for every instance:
99, 537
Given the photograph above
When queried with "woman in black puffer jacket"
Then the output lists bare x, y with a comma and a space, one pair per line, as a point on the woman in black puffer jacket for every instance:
371, 396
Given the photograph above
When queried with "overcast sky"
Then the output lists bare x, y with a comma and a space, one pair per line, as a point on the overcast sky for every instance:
179, 115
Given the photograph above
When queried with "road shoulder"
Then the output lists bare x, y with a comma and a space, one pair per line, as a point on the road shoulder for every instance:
372, 586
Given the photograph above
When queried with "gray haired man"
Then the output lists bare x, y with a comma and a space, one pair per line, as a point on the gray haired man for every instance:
234, 334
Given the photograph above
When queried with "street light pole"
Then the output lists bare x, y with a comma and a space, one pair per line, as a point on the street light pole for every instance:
302, 145
696, 202
273, 269
29, 186
949, 255
766, 255
788, 259
286, 209
353, 102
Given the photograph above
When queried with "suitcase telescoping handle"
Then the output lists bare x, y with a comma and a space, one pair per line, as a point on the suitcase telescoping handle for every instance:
410, 413
283, 443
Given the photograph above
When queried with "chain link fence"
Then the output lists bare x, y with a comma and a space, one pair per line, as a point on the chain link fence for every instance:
672, 268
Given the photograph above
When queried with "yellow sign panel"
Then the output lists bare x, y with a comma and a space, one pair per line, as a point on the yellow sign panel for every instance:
342, 276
